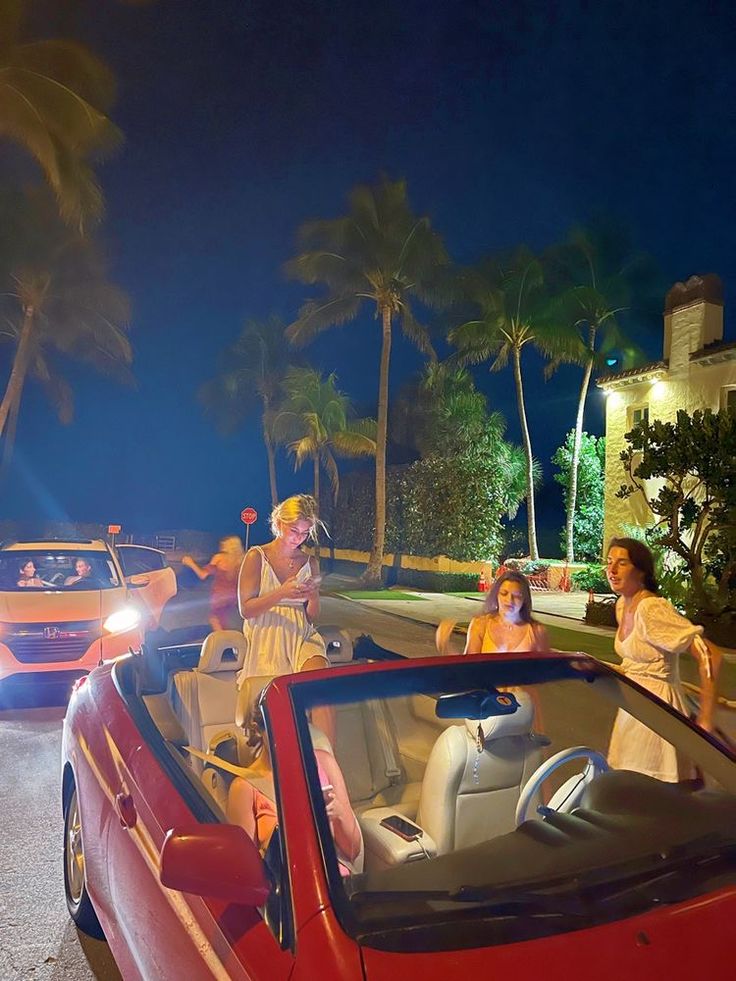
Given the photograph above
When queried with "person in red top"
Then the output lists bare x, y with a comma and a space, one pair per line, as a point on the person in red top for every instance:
224, 566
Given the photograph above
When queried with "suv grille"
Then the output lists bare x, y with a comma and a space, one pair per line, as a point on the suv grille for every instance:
38, 643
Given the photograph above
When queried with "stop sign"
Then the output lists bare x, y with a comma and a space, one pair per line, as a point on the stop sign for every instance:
248, 516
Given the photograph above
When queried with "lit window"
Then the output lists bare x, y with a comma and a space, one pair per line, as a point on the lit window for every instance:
637, 414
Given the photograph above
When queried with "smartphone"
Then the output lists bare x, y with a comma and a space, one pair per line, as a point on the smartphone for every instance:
401, 827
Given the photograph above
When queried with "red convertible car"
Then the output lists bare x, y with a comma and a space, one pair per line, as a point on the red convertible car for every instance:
488, 835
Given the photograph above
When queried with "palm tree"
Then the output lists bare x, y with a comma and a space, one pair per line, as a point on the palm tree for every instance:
59, 303
379, 253
54, 100
315, 424
507, 291
599, 263
252, 371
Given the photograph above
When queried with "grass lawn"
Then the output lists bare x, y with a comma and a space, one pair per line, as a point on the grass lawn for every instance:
601, 647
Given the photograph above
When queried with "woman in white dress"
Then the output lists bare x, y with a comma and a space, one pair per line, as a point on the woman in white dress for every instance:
650, 637
278, 592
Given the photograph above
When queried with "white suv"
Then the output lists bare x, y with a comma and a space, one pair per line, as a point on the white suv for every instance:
67, 605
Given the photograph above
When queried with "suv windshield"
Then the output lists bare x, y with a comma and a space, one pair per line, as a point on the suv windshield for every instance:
487, 810
34, 569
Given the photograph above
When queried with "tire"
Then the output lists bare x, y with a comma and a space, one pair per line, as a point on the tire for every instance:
75, 886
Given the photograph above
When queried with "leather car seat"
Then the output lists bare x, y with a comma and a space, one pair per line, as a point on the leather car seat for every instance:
204, 700
468, 796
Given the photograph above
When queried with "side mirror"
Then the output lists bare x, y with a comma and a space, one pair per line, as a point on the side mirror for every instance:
215, 860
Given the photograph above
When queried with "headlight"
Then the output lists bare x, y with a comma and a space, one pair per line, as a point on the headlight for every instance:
122, 620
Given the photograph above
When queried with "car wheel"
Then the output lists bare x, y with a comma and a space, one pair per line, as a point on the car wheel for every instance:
77, 898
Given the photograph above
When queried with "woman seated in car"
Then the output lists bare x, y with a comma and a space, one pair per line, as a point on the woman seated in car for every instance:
83, 572
255, 811
29, 576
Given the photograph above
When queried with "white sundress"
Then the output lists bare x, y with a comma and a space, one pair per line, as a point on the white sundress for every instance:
281, 640
650, 656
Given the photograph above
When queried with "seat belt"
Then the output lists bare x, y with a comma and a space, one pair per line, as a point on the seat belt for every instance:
386, 739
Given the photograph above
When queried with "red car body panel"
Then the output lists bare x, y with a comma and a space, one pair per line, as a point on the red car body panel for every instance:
128, 802
686, 941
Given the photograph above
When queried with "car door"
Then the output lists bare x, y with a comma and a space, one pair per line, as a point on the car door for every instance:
172, 934
149, 576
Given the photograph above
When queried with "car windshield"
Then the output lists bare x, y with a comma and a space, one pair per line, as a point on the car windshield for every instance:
486, 806
63, 569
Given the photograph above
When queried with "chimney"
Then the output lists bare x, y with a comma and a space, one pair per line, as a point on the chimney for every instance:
693, 318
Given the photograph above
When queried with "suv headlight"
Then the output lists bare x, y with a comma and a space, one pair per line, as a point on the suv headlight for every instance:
122, 620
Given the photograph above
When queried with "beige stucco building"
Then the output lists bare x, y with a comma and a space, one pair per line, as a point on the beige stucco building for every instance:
697, 371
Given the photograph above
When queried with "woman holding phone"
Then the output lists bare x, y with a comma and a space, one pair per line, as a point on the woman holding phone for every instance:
278, 593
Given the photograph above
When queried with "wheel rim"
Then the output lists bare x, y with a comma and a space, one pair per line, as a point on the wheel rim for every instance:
74, 851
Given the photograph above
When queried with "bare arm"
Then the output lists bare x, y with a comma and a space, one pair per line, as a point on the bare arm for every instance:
343, 823
709, 658
313, 595
201, 572
249, 582
541, 639
476, 629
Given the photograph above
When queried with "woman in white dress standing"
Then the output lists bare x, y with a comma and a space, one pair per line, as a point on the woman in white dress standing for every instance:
650, 637
278, 592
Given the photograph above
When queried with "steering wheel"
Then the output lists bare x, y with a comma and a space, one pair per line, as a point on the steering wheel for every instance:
563, 799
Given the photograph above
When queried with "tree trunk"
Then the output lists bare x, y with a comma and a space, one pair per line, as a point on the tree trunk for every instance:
21, 361
316, 497
572, 488
271, 462
7, 442
530, 508
372, 574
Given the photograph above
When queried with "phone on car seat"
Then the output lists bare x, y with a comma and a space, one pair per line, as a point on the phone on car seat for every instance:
404, 829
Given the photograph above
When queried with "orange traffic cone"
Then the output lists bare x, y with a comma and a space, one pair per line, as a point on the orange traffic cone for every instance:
482, 583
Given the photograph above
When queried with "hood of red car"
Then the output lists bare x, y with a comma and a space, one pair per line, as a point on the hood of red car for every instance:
679, 941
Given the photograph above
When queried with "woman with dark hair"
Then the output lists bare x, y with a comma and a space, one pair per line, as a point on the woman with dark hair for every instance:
650, 637
507, 623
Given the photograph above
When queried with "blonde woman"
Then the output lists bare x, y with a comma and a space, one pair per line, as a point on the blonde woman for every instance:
224, 566
278, 590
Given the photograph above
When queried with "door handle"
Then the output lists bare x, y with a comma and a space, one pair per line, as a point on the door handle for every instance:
126, 810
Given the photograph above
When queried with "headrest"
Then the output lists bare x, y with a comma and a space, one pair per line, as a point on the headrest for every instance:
248, 695
222, 650
501, 726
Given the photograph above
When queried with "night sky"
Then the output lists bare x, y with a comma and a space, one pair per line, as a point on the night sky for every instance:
510, 122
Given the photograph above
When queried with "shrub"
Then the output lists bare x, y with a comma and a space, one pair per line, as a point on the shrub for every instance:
591, 577
438, 582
